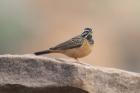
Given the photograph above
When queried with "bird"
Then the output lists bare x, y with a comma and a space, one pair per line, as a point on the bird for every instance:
76, 47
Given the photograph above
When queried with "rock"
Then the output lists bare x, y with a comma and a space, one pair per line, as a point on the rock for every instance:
33, 74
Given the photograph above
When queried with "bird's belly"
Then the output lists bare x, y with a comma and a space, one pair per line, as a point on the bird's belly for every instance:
79, 52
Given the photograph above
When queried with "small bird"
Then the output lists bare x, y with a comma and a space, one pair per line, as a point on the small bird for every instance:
77, 47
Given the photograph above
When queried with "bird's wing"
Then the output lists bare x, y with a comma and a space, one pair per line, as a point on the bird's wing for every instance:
72, 43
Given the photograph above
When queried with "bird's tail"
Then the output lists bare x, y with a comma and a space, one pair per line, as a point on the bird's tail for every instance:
42, 52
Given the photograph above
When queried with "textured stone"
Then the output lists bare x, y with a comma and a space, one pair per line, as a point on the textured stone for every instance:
33, 74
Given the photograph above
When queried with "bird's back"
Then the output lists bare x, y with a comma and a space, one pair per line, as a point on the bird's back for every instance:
70, 44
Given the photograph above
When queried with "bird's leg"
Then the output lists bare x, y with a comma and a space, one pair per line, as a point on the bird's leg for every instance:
77, 59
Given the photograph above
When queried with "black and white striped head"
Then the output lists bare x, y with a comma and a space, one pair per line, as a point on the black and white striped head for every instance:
87, 32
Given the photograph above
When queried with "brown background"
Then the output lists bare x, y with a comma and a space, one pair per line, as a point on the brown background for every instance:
33, 25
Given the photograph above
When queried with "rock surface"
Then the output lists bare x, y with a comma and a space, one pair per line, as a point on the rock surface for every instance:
33, 74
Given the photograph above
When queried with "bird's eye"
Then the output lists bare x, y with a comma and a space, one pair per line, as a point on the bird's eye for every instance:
85, 33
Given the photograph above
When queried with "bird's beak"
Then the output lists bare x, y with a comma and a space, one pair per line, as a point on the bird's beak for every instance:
90, 33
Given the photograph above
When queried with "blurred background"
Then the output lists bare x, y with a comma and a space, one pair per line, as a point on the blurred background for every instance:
27, 26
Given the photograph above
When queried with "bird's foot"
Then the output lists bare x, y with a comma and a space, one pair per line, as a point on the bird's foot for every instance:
78, 61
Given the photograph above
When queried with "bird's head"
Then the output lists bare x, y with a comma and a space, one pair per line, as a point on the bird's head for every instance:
87, 33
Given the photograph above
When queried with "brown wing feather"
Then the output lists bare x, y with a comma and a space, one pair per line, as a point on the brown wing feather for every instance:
72, 43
